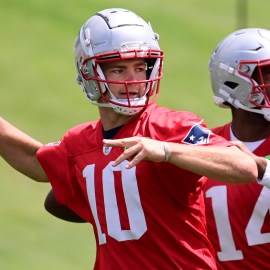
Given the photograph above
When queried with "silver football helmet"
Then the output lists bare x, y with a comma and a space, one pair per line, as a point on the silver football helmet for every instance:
111, 35
235, 61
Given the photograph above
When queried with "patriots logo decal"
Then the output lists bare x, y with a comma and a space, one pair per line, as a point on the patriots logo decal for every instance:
197, 135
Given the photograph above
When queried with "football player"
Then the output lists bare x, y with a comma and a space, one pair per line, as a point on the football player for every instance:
238, 219
142, 192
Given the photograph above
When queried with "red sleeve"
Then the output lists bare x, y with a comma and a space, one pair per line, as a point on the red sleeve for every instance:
53, 158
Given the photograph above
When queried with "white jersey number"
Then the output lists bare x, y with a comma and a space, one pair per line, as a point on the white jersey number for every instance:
132, 199
254, 236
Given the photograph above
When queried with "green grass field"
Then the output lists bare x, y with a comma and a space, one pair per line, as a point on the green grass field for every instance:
40, 96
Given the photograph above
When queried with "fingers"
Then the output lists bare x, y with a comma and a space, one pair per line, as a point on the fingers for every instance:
134, 151
138, 149
127, 142
133, 154
241, 146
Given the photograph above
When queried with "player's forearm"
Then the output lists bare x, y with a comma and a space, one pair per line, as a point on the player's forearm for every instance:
227, 164
19, 150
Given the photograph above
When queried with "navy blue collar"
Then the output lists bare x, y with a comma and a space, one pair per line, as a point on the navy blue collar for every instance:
109, 134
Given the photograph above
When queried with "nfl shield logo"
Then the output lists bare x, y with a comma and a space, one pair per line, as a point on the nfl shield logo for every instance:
106, 150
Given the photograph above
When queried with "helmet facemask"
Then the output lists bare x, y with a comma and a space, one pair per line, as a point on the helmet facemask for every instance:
260, 82
92, 70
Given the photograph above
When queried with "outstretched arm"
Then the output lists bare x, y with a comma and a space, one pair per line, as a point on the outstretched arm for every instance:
19, 150
228, 164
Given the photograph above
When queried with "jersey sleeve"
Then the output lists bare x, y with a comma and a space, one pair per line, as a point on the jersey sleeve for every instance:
53, 158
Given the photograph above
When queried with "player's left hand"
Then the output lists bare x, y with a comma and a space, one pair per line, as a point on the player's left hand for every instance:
137, 149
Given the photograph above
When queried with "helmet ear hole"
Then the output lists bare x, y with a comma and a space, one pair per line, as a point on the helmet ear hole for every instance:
232, 85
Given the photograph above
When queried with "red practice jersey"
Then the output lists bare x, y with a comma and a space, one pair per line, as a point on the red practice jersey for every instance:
148, 217
238, 220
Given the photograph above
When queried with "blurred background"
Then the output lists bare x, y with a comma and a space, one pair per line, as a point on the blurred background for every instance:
39, 95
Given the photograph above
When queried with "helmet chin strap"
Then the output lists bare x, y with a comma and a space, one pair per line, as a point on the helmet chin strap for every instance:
264, 111
237, 104
124, 110
133, 101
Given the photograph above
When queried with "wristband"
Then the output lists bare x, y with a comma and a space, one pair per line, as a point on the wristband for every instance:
265, 181
166, 151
